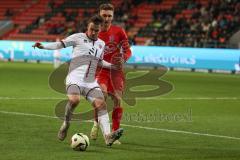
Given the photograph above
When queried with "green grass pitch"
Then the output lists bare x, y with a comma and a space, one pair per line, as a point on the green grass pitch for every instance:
208, 129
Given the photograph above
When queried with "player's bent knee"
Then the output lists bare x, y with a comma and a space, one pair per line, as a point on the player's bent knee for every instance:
74, 99
116, 98
117, 95
99, 104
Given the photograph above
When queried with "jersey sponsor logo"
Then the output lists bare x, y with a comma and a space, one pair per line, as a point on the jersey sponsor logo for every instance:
110, 47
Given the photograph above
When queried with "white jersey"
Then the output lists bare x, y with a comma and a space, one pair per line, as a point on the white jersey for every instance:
85, 57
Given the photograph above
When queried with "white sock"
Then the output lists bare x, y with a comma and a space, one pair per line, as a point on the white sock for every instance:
95, 123
103, 120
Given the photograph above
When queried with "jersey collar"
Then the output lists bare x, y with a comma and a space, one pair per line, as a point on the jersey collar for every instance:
90, 38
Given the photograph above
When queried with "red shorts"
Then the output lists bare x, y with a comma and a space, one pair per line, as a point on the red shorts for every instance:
113, 80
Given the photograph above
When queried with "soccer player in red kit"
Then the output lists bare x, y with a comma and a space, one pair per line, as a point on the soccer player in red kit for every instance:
117, 50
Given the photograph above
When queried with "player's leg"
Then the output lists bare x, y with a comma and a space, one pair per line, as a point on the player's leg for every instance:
103, 118
94, 130
117, 110
98, 102
118, 86
73, 92
103, 81
96, 97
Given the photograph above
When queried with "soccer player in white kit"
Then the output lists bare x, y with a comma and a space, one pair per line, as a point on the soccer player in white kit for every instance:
87, 55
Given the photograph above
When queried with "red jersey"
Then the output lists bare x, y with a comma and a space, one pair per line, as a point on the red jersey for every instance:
116, 44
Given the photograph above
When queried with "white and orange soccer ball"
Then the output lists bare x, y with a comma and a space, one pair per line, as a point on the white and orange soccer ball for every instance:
80, 142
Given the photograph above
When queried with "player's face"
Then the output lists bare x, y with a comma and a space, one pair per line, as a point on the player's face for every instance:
93, 30
107, 16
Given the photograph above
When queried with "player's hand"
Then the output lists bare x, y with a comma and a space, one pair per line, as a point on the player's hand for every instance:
118, 63
38, 45
118, 60
116, 67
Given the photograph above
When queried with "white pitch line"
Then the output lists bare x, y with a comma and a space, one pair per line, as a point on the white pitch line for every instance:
183, 132
132, 126
140, 98
34, 115
30, 98
190, 98
29, 114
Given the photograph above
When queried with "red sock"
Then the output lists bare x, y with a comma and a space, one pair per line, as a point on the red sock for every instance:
116, 117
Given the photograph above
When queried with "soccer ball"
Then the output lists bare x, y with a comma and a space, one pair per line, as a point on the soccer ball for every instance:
79, 142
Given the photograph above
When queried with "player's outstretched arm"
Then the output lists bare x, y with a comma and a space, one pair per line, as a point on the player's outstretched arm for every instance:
108, 65
49, 46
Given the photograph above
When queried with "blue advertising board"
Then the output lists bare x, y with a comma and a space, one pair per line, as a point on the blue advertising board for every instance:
176, 57
23, 50
197, 58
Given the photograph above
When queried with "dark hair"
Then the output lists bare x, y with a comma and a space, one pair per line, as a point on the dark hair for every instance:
106, 6
96, 19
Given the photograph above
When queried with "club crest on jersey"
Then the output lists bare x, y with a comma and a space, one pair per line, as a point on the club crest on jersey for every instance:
111, 38
85, 41
100, 46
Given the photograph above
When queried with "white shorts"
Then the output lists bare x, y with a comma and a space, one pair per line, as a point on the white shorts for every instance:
90, 91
